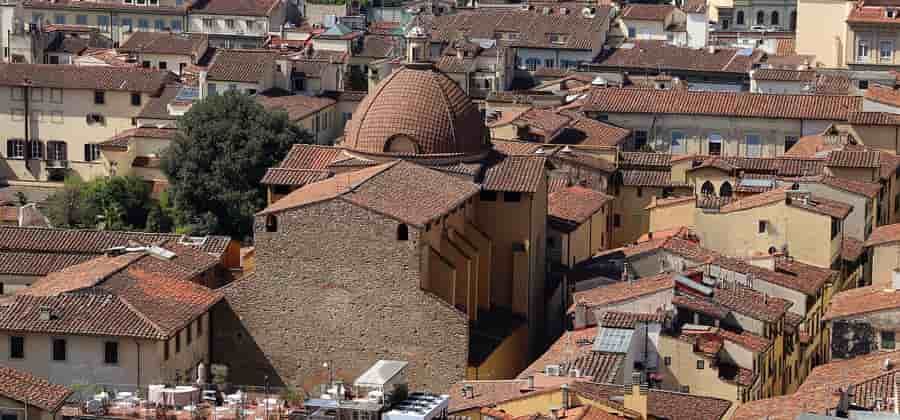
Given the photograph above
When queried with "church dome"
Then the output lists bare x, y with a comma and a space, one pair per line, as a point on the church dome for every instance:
416, 110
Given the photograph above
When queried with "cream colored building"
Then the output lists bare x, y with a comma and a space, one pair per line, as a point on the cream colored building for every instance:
91, 333
25, 396
55, 117
577, 224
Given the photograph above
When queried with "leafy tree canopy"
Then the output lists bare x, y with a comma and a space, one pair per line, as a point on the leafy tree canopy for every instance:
223, 147
115, 203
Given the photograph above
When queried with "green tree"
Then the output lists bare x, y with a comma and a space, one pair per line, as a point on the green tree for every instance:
114, 203
223, 147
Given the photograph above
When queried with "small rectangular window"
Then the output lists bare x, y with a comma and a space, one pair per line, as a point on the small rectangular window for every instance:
136, 99
617, 220
15, 149
761, 226
685, 389
487, 195
700, 365
640, 192
91, 152
512, 197
59, 349
99, 97
887, 340
190, 335
200, 325
166, 350
667, 361
16, 347
178, 342
163, 65
111, 353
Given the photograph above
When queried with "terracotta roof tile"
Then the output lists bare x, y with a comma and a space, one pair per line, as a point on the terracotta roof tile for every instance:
588, 132
867, 12
780, 75
574, 350
658, 56
700, 305
653, 12
629, 320
534, 29
625, 291
642, 178
24, 387
660, 404
884, 234
751, 303
737, 104
641, 160
867, 189
873, 118
670, 201
297, 177
73, 241
583, 158
746, 339
832, 84
854, 159
297, 107
576, 204
862, 300
484, 393
514, 173
84, 77
248, 66
445, 121
516, 148
889, 165
141, 42
876, 394
785, 46
310, 157
235, 7
814, 204
121, 140
157, 107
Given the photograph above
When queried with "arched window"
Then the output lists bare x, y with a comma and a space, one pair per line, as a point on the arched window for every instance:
774, 18
271, 223
402, 232
740, 18
401, 144
708, 188
725, 189
760, 18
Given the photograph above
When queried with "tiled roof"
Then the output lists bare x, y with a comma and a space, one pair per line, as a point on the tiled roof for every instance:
84, 77
133, 295
814, 204
659, 56
660, 404
24, 387
694, 6
889, 165
624, 291
779, 75
235, 7
514, 173
543, 122
884, 234
867, 189
700, 305
307, 156
785, 46
576, 204
104, 6
751, 303
671, 201
862, 300
297, 107
873, 118
585, 159
640, 160
248, 66
734, 104
653, 12
871, 12
642, 178
91, 241
883, 94
165, 43
454, 64
535, 30
817, 394
832, 84
747, 340
422, 105
426, 193
629, 320
876, 394
157, 107
378, 46
589, 132
297, 177
516, 148
121, 140
573, 350
854, 159
484, 393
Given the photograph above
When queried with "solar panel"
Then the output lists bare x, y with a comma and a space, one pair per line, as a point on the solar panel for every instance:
613, 340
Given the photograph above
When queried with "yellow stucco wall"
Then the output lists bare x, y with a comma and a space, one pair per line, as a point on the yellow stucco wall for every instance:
885, 259
672, 216
822, 30
506, 361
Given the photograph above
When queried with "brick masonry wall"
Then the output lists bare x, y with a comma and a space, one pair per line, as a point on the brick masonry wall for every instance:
334, 284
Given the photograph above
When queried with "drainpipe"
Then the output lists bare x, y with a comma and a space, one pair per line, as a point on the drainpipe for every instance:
138, 343
26, 89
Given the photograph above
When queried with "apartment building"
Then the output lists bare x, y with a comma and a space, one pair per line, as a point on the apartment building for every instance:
58, 115
166, 51
237, 24
717, 123
872, 31
117, 19
134, 317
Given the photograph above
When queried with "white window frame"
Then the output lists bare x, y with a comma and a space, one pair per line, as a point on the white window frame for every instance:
759, 144
863, 45
19, 149
890, 57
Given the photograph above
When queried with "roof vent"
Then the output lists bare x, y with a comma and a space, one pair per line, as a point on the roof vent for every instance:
161, 252
539, 151
566, 149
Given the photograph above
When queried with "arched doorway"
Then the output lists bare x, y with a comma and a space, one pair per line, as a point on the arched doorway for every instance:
725, 190
708, 189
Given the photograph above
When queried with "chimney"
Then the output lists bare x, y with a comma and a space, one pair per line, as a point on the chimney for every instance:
580, 315
45, 313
